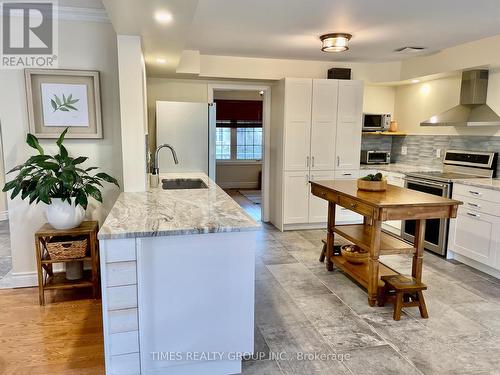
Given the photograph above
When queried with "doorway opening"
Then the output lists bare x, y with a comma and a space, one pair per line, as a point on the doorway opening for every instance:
242, 145
239, 146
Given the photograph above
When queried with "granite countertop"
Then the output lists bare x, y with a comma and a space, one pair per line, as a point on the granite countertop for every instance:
399, 168
487, 183
158, 212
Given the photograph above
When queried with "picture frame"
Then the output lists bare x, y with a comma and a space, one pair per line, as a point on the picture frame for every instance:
58, 99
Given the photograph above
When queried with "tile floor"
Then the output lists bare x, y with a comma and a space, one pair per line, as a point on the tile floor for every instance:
5, 257
302, 308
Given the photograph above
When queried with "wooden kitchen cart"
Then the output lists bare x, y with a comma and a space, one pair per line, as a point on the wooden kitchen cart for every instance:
395, 203
47, 278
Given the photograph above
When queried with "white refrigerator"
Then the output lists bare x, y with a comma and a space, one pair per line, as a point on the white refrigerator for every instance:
190, 129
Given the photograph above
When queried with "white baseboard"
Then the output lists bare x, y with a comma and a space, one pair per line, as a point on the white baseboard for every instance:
238, 185
19, 280
474, 264
4, 215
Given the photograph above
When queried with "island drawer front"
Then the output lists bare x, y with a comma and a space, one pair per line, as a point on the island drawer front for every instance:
476, 192
124, 343
128, 364
121, 273
122, 297
123, 320
122, 250
479, 205
324, 194
356, 206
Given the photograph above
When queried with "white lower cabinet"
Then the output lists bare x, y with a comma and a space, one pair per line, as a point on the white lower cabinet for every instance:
318, 208
296, 197
397, 179
342, 214
475, 234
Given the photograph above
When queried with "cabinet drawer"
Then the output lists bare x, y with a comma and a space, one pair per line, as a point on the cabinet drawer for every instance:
347, 174
128, 364
121, 273
124, 343
121, 250
477, 192
355, 206
122, 297
123, 320
478, 205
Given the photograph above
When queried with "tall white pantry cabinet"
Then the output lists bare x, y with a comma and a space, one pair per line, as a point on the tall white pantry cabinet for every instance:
315, 135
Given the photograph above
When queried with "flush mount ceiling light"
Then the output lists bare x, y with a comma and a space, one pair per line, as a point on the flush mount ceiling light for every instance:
162, 16
161, 61
335, 42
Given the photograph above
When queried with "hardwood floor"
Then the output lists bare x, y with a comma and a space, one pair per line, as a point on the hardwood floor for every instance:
63, 337
253, 209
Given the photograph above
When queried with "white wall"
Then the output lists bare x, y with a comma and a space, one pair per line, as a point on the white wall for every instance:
82, 45
417, 102
379, 99
133, 99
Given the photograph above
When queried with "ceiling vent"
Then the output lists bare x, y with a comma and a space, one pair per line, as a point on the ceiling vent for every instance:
409, 49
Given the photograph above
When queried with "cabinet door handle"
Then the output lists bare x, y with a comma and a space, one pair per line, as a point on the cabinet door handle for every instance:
338, 161
307, 179
474, 205
312, 161
346, 174
473, 215
307, 160
474, 192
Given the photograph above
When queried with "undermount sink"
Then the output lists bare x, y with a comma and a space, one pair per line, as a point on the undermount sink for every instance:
183, 183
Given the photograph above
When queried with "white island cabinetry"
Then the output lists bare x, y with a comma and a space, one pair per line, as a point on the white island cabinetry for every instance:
178, 273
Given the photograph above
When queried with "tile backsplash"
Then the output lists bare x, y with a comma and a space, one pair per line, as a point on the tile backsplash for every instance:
421, 149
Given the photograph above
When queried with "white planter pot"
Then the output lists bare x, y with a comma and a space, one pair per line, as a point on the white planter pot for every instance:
62, 215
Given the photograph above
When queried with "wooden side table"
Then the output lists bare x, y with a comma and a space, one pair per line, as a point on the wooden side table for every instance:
47, 278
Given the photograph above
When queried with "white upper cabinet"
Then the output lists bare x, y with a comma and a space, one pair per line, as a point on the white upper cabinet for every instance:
323, 124
298, 98
349, 124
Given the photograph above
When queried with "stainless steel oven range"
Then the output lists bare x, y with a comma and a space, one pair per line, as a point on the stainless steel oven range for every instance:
457, 165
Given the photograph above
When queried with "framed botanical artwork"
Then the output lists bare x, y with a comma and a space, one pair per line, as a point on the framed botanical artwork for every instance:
59, 99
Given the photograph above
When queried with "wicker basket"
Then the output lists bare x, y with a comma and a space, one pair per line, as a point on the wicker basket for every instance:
67, 247
372, 185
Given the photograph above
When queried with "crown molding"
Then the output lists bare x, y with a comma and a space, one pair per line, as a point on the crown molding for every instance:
78, 14
82, 14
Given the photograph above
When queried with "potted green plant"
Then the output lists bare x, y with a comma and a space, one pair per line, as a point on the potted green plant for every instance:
59, 181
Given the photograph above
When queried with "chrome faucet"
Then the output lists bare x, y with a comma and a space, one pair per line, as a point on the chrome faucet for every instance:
155, 180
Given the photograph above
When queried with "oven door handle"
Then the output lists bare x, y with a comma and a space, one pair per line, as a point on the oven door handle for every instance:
425, 182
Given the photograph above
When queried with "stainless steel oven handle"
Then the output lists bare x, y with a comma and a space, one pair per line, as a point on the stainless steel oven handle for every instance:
426, 182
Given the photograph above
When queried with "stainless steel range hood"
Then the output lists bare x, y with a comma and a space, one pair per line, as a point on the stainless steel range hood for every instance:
472, 110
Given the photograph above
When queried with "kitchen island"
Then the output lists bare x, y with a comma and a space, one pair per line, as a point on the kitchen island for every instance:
395, 203
177, 281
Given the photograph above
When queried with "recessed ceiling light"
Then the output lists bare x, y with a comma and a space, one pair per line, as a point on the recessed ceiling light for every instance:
161, 61
415, 81
162, 16
335, 42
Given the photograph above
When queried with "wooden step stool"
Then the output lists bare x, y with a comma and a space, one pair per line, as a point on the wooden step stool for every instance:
407, 292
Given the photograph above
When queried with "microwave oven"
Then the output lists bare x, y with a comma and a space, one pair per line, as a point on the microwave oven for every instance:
376, 121
375, 157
